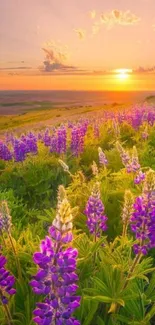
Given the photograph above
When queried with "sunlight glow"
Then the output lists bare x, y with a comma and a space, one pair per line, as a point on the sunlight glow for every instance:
122, 74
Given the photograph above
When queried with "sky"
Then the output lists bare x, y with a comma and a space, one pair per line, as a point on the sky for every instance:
77, 44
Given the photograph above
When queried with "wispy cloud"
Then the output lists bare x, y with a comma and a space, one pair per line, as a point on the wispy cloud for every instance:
81, 33
117, 17
15, 68
92, 14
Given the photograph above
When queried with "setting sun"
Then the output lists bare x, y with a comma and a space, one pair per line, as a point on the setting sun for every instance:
122, 74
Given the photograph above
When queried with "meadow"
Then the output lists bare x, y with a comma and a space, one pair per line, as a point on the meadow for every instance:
77, 217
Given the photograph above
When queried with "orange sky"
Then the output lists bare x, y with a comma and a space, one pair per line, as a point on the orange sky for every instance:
105, 82
77, 44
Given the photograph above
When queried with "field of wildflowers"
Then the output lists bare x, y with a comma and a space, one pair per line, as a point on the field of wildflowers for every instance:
77, 222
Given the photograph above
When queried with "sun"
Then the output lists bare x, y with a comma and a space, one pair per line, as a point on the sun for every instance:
122, 74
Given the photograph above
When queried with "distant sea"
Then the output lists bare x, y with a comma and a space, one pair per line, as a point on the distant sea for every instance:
74, 98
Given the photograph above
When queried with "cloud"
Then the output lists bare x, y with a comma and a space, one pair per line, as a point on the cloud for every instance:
92, 14
81, 33
56, 66
153, 27
144, 70
117, 17
55, 57
16, 68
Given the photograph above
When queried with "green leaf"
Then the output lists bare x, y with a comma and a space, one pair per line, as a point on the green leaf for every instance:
106, 299
91, 314
150, 314
100, 321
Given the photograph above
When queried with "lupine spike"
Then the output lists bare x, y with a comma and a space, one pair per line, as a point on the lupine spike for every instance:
102, 157
143, 217
56, 278
126, 160
94, 168
5, 217
94, 211
127, 210
135, 166
7, 282
64, 165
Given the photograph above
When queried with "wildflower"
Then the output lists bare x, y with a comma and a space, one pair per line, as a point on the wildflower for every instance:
47, 138
7, 282
5, 153
135, 166
143, 217
61, 140
19, 150
53, 144
124, 155
127, 210
96, 131
96, 219
139, 177
94, 168
5, 218
31, 143
56, 277
102, 158
116, 128
77, 139
64, 166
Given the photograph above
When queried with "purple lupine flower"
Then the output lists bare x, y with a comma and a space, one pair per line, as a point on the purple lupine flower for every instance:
56, 277
9, 138
47, 138
75, 141
124, 155
82, 133
7, 282
143, 217
19, 150
140, 177
53, 144
135, 166
96, 219
31, 143
5, 153
40, 136
96, 131
102, 157
61, 140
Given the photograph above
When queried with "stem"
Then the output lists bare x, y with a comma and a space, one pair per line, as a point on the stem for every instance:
16, 257
8, 315
135, 262
95, 239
